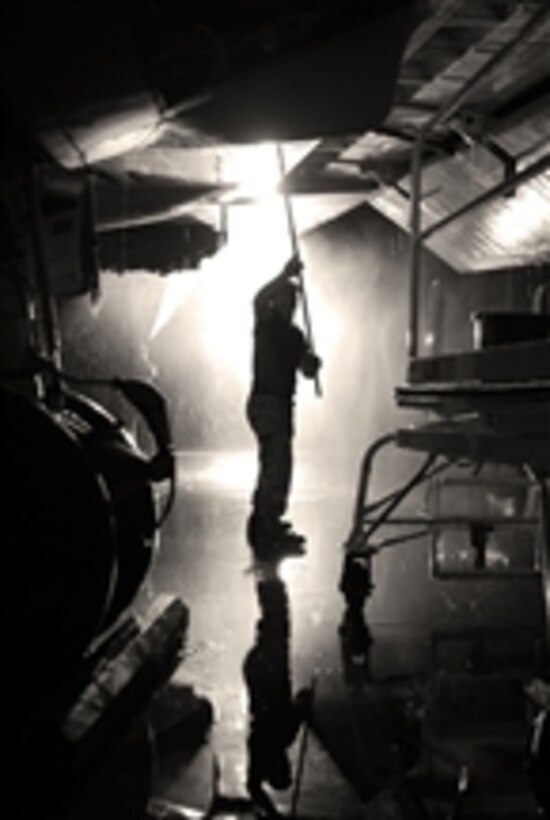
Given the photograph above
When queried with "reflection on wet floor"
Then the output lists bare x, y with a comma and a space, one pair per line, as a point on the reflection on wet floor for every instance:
420, 710
275, 714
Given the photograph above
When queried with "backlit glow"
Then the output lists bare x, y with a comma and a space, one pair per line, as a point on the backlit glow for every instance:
227, 473
521, 218
225, 285
258, 245
177, 288
257, 248
254, 170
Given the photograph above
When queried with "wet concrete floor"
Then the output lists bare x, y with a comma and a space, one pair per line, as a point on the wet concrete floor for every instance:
438, 691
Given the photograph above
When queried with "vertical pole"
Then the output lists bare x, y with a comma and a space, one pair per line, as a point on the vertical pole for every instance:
288, 207
416, 246
296, 252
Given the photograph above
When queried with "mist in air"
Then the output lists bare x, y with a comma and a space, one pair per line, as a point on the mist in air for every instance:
190, 333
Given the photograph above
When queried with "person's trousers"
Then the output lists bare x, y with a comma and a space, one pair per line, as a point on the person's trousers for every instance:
271, 419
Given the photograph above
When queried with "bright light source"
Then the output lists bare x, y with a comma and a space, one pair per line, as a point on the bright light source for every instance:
255, 171
224, 287
257, 248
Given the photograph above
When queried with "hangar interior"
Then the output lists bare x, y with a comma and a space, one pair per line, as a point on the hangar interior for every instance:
160, 158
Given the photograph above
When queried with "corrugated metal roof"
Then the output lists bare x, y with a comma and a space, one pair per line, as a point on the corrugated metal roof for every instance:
509, 232
503, 128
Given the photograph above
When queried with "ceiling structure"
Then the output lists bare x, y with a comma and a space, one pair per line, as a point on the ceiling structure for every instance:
497, 140
344, 88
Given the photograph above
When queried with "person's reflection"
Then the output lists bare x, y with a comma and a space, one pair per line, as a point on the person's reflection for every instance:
275, 715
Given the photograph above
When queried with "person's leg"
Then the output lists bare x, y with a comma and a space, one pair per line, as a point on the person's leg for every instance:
277, 465
268, 420
271, 421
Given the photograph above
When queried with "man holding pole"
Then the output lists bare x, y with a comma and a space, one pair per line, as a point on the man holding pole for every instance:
281, 350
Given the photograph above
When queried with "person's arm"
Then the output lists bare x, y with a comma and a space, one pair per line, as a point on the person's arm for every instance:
309, 364
288, 274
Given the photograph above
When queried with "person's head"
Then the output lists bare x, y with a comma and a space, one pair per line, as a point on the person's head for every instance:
284, 301
293, 267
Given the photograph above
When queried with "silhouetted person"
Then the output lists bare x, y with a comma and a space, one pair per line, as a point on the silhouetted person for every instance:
275, 714
281, 350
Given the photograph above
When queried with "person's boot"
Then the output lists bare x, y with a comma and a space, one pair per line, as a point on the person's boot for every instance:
271, 539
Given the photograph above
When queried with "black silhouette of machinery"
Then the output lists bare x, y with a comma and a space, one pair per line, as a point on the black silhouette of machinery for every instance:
80, 525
